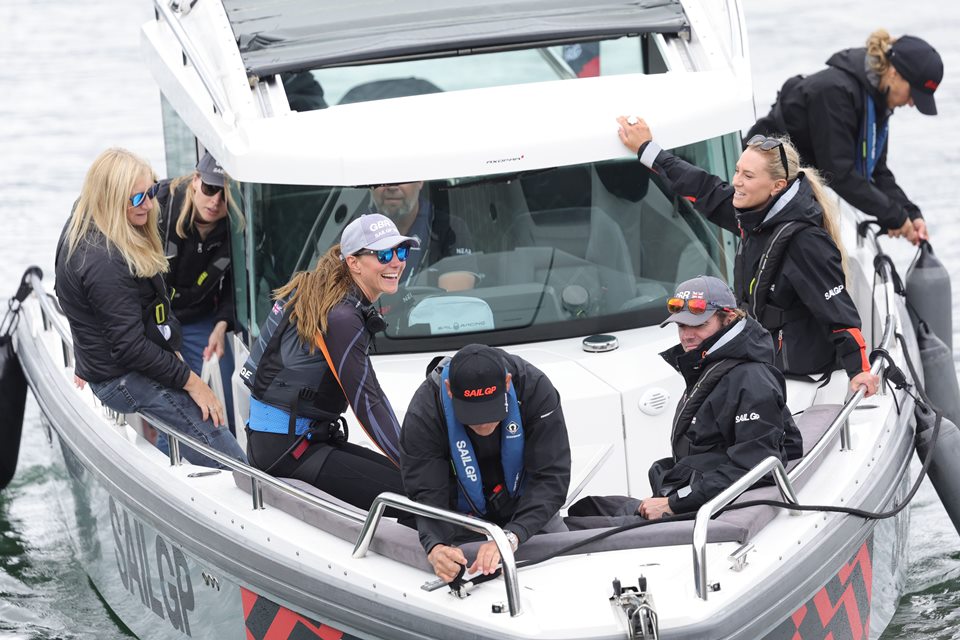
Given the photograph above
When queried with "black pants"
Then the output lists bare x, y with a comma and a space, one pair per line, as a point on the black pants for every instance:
347, 471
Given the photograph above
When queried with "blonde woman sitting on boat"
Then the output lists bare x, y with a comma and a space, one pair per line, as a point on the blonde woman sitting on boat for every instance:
311, 360
780, 211
110, 265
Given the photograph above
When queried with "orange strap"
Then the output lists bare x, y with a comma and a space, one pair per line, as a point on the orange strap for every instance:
326, 356
858, 338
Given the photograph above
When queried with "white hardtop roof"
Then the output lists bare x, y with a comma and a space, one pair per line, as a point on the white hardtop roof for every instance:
471, 132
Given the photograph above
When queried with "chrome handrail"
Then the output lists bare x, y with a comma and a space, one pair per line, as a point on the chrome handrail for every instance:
191, 53
402, 503
841, 423
258, 478
727, 496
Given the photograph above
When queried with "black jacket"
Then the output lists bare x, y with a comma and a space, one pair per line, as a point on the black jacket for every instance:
107, 309
741, 420
193, 294
425, 455
823, 115
822, 326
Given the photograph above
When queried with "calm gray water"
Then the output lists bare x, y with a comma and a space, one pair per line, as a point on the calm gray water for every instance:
73, 84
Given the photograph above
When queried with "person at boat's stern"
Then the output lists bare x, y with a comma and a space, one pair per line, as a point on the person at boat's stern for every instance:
789, 271
312, 359
839, 118
110, 265
195, 232
485, 435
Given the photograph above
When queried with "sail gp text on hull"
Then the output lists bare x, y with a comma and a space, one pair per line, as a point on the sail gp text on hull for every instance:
140, 565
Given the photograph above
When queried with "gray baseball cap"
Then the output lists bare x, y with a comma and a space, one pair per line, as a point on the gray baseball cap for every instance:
210, 170
372, 231
714, 290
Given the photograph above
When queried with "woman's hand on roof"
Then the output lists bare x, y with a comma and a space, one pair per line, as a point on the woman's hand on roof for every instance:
633, 132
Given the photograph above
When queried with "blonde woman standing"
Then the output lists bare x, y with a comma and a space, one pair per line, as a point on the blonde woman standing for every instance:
789, 272
195, 223
109, 267
839, 117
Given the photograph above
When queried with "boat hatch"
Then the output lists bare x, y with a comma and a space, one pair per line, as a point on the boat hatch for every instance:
292, 35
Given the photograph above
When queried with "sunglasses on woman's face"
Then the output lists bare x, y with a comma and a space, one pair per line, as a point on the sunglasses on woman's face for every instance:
209, 189
766, 144
384, 256
696, 306
138, 198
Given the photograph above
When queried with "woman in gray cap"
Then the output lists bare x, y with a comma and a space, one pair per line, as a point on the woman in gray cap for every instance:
838, 119
311, 360
195, 231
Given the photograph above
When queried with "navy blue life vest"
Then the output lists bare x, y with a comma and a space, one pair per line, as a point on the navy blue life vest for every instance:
470, 498
870, 144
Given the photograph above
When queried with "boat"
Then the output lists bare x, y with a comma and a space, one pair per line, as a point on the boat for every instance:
506, 113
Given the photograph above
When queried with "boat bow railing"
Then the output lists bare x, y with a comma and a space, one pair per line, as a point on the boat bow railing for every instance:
402, 503
785, 481
52, 317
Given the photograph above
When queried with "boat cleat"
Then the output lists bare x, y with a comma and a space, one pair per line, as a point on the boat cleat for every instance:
637, 608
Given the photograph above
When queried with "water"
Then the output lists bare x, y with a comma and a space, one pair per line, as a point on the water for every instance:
73, 84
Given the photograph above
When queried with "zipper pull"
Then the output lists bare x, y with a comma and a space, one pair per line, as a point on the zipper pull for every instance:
200, 247
780, 341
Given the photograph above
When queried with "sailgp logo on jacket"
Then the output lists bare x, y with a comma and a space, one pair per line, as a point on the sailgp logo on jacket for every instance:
745, 417
466, 459
832, 292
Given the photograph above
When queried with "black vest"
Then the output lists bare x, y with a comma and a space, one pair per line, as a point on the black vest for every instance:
693, 399
755, 293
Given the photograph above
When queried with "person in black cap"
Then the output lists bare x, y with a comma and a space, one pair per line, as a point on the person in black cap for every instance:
485, 435
838, 118
195, 231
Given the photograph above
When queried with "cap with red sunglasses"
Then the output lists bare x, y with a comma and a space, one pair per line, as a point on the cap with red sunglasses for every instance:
697, 299
921, 66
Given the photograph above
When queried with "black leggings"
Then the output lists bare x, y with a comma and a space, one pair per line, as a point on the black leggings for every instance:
349, 472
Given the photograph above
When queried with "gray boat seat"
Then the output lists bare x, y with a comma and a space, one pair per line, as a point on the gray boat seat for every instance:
402, 544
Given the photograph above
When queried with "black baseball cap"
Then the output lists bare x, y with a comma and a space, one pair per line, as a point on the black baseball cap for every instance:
210, 170
478, 384
921, 66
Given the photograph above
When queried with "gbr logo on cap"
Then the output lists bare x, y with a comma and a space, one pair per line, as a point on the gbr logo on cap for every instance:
479, 393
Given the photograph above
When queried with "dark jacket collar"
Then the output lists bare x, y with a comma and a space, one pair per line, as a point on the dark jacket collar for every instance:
743, 340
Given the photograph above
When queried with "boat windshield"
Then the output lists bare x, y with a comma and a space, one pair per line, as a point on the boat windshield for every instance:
503, 259
320, 88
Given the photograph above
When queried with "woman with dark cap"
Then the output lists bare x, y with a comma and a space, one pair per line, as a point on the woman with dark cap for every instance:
789, 269
195, 231
839, 117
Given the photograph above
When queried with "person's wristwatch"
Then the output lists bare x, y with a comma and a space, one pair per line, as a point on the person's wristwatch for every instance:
513, 539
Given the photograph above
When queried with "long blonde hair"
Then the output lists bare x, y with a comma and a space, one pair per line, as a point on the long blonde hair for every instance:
314, 293
103, 204
830, 217
878, 44
186, 219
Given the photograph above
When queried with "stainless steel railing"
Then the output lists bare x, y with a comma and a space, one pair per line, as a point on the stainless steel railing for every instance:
397, 501
52, 318
841, 423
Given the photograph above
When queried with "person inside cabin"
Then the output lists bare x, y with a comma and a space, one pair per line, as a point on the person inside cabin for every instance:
485, 435
195, 232
441, 234
839, 118
312, 359
790, 266
110, 265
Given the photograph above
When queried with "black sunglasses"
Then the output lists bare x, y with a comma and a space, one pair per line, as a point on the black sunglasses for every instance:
766, 144
138, 198
209, 189
384, 256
